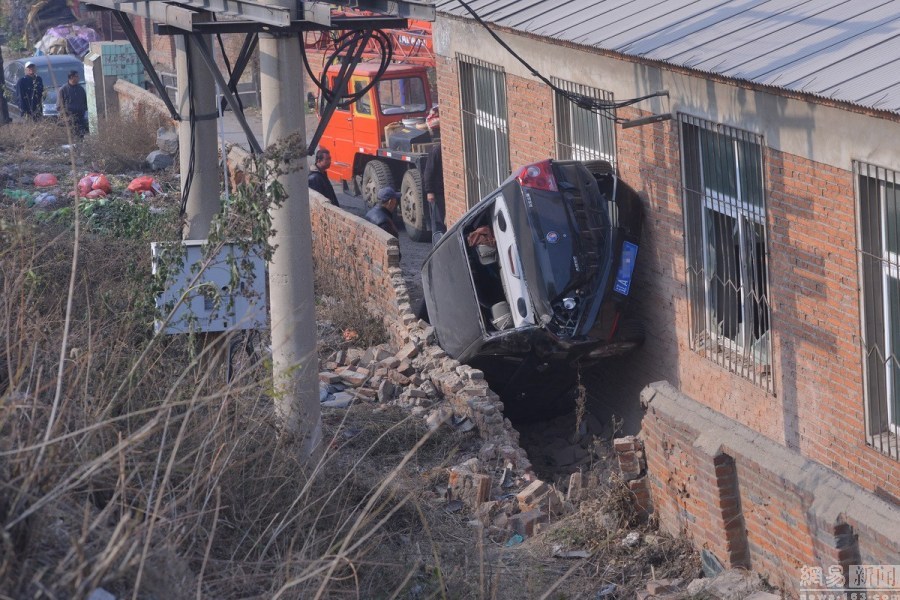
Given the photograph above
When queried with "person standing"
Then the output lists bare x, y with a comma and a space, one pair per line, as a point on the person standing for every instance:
30, 90
318, 176
382, 214
433, 178
71, 101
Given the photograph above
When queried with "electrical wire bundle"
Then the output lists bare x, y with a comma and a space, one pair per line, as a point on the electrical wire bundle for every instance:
586, 102
348, 49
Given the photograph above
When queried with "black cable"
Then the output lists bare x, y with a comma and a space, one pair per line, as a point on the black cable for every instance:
228, 70
580, 100
350, 41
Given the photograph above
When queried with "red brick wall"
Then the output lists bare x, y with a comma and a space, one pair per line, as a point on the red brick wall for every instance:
817, 408
160, 48
451, 138
366, 260
754, 503
530, 114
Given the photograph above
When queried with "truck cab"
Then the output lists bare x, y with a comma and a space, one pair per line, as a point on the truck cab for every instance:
355, 133
382, 140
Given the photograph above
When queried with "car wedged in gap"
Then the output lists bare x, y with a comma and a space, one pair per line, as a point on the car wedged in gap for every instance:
535, 279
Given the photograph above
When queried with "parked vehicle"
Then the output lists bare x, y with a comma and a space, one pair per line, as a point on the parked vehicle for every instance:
381, 139
535, 279
58, 64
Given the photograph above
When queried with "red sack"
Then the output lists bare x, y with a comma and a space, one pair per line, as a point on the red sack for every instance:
45, 180
93, 181
144, 183
95, 194
102, 183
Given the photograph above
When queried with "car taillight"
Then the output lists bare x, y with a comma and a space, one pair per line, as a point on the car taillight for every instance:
538, 176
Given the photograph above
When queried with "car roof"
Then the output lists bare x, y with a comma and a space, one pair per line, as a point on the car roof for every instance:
48, 59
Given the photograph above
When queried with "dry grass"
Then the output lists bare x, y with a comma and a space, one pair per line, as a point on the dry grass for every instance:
121, 143
173, 483
128, 462
26, 140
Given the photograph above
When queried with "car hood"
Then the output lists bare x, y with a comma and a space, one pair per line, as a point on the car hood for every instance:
565, 252
450, 295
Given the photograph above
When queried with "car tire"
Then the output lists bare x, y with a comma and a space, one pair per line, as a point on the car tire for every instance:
376, 175
412, 207
599, 167
421, 311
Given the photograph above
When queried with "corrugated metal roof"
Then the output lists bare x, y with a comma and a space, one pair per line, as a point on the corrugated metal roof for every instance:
847, 50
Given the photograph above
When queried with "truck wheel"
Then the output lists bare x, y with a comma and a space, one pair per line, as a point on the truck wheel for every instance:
412, 207
376, 175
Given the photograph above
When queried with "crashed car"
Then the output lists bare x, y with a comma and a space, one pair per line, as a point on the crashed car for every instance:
535, 279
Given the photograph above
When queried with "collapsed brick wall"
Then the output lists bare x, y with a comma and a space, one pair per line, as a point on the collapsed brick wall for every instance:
752, 502
138, 103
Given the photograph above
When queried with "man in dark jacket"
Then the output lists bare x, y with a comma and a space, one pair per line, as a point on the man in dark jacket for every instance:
318, 176
30, 90
71, 101
433, 178
382, 214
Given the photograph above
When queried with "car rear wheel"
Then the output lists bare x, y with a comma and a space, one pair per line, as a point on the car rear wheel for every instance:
599, 167
376, 175
412, 207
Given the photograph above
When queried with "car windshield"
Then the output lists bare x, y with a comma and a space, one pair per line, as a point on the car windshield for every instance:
402, 96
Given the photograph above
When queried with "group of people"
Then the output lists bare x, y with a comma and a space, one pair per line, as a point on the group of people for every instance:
382, 214
71, 99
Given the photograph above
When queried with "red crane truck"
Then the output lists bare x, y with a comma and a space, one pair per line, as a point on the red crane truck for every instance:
381, 139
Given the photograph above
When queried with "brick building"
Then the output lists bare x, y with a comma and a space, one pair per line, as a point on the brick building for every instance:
769, 272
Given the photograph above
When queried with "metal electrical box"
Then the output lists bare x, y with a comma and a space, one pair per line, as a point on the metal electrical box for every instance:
228, 294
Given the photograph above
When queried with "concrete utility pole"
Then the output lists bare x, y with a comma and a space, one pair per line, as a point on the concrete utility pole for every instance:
203, 195
292, 298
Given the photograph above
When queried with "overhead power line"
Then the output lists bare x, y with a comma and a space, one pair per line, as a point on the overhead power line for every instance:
586, 102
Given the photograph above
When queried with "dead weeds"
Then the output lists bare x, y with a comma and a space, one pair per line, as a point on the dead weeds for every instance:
128, 462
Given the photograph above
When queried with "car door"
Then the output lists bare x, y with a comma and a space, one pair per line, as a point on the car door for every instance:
366, 134
338, 139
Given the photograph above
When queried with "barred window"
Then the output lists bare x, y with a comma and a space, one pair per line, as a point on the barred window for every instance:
726, 248
582, 134
878, 197
482, 88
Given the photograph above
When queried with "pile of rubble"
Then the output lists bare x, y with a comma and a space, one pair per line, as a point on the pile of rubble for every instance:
733, 584
498, 485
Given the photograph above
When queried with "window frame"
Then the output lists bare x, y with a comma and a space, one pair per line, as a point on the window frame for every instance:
486, 155
570, 119
879, 272
728, 284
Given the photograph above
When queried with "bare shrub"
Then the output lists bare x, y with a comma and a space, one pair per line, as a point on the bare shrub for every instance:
122, 143
141, 470
24, 139
343, 321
